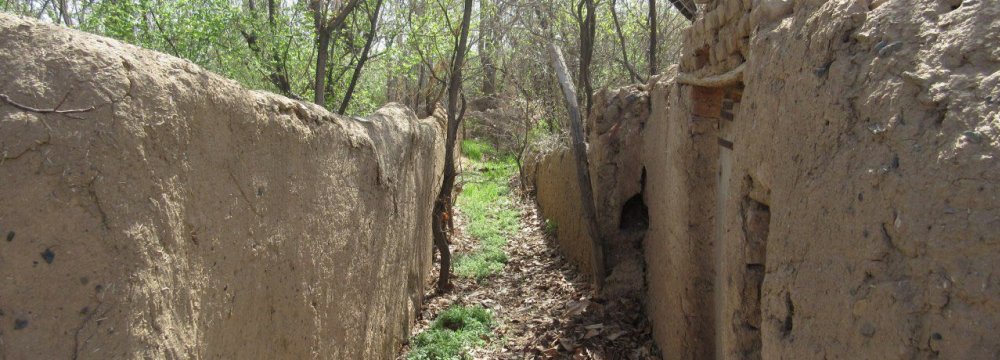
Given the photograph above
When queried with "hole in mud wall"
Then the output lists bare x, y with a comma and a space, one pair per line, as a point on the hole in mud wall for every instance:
701, 56
756, 226
635, 214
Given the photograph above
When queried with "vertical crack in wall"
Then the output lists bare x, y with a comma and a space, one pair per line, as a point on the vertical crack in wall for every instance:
635, 213
756, 227
786, 325
625, 253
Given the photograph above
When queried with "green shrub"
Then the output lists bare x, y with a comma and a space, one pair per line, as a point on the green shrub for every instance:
491, 217
551, 227
453, 333
475, 149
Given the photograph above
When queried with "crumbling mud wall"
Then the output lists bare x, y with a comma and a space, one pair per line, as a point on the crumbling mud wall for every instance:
614, 135
678, 245
614, 154
182, 216
557, 194
822, 182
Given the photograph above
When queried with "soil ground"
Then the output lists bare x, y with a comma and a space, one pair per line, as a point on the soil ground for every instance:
544, 308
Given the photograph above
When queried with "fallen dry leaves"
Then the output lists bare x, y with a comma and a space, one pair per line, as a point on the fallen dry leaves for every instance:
545, 308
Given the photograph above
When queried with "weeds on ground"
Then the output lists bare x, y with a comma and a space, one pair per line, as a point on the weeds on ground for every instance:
475, 149
455, 331
551, 227
487, 205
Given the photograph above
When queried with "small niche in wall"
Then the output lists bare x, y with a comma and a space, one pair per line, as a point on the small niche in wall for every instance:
757, 223
756, 226
701, 56
635, 213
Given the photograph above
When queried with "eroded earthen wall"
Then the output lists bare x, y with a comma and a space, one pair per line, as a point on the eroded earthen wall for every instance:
558, 197
680, 157
186, 217
614, 136
835, 196
614, 152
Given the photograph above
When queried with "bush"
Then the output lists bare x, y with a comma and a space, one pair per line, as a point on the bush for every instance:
453, 333
475, 149
551, 227
492, 217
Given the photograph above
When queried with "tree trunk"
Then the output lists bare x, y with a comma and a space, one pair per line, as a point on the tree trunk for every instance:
524, 144
652, 37
364, 57
489, 72
621, 39
279, 72
324, 31
64, 13
322, 55
443, 203
278, 75
487, 18
417, 96
580, 155
588, 29
441, 243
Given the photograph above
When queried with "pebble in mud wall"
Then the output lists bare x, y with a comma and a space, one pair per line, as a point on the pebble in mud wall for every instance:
719, 38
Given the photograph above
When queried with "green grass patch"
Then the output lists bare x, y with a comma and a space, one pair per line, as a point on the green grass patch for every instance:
453, 333
491, 216
475, 149
551, 227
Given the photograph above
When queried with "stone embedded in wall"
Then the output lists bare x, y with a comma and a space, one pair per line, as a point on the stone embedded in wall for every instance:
722, 30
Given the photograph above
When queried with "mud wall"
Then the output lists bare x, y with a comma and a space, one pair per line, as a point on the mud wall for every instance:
614, 154
834, 194
614, 134
821, 181
186, 217
678, 245
557, 192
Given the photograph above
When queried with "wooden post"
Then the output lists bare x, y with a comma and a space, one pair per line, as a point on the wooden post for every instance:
580, 155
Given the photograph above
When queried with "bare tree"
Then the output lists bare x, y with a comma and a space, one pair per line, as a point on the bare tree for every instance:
621, 39
587, 18
442, 206
580, 157
489, 22
278, 75
373, 28
652, 37
63, 13
325, 27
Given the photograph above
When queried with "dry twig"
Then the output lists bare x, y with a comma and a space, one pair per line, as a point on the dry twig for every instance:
54, 110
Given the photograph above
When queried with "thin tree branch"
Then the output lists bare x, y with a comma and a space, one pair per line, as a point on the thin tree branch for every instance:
373, 20
621, 39
55, 110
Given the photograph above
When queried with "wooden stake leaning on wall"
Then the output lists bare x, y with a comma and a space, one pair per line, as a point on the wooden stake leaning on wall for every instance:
580, 155
728, 78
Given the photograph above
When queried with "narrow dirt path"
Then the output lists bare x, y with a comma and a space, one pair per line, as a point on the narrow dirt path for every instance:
544, 308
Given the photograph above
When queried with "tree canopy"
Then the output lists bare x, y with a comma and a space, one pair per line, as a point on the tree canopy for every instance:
352, 56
